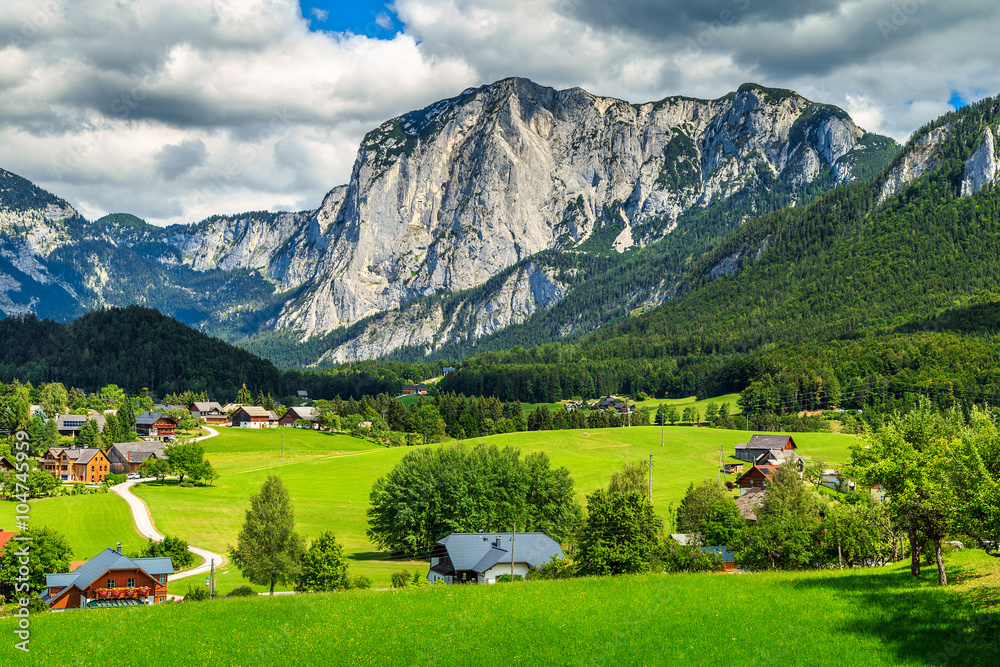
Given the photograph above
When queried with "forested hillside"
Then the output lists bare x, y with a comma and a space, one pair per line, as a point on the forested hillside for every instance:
137, 348
845, 301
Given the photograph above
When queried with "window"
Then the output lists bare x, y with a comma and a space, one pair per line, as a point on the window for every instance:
162, 599
130, 583
111, 583
163, 578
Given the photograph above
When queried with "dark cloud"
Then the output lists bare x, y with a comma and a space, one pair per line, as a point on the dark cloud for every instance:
673, 18
173, 161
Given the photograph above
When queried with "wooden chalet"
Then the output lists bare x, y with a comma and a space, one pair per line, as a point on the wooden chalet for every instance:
155, 425
76, 464
414, 389
251, 416
109, 579
764, 444
129, 457
299, 413
5, 464
210, 411
755, 478
726, 555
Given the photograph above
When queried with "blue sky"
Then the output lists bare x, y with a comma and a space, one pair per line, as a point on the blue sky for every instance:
362, 17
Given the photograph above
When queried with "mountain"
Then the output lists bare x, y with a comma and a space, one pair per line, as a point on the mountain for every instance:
463, 222
875, 292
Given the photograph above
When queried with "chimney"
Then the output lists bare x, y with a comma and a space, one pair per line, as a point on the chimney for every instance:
118, 547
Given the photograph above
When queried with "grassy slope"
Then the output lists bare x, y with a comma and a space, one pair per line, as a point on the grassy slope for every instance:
330, 476
91, 523
872, 617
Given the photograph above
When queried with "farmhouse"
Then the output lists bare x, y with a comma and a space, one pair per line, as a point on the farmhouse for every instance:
76, 464
471, 558
230, 408
755, 478
413, 389
109, 579
210, 411
70, 425
764, 445
251, 416
129, 457
155, 425
5, 465
298, 413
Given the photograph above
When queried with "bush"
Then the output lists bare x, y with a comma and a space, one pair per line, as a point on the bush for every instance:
360, 582
505, 578
196, 594
241, 592
187, 485
36, 606
557, 568
419, 580
112, 479
401, 579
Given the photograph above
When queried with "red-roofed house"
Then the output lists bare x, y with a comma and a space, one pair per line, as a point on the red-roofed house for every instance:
755, 478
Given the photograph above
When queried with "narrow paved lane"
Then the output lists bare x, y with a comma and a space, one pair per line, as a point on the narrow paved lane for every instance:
144, 522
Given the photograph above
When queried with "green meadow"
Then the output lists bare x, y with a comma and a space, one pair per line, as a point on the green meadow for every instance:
876, 617
330, 476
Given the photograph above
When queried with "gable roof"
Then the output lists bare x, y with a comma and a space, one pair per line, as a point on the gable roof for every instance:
5, 537
150, 418
302, 412
137, 452
748, 503
766, 442
205, 406
62, 419
109, 559
84, 456
477, 551
255, 411
722, 552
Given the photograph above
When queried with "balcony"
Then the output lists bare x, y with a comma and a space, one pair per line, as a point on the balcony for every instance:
123, 593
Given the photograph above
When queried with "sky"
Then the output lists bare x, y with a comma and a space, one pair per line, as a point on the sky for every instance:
175, 111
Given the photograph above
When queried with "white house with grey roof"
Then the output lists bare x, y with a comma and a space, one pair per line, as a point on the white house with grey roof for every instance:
471, 558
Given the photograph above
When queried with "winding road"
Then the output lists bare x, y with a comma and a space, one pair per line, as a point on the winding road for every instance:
144, 523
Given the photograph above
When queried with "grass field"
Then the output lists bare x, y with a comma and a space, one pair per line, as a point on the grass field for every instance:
90, 523
863, 618
330, 476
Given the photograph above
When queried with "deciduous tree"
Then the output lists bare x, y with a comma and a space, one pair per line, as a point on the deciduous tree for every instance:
268, 551
324, 567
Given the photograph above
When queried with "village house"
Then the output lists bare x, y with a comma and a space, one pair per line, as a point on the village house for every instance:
109, 579
230, 408
766, 446
129, 457
155, 425
471, 558
749, 501
299, 413
251, 416
414, 389
726, 555
76, 464
70, 425
210, 411
6, 465
755, 478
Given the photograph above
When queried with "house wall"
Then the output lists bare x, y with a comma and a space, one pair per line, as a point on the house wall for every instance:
490, 576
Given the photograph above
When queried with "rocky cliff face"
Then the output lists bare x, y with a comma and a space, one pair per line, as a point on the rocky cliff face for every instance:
981, 168
442, 200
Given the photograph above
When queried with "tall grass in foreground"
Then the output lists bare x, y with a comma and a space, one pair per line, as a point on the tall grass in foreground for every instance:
858, 618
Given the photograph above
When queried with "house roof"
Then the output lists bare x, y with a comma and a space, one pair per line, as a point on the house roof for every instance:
477, 551
109, 559
765, 442
169, 406
303, 393
255, 411
205, 406
721, 551
302, 412
84, 456
682, 539
5, 537
150, 418
748, 503
62, 419
137, 452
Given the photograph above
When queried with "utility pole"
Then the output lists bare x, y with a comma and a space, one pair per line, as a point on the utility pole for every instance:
650, 479
719, 476
211, 587
512, 534
663, 418
282, 454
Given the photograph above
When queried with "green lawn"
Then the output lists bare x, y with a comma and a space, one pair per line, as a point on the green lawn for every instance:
330, 476
91, 523
863, 618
